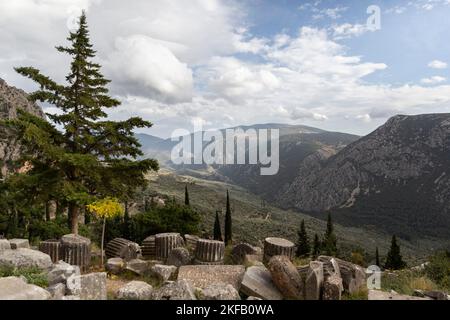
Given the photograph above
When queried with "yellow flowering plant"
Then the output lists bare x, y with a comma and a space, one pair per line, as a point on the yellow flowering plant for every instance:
106, 208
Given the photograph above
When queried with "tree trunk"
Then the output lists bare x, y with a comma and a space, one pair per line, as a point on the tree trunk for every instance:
103, 237
73, 217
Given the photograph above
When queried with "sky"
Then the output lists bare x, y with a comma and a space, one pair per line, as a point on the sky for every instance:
330, 64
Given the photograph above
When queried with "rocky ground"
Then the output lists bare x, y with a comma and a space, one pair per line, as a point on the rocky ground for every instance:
162, 269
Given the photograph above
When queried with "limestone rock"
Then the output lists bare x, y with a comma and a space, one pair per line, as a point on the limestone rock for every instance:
253, 299
332, 288
436, 295
381, 295
239, 252
60, 272
138, 266
179, 257
71, 298
4, 245
220, 291
286, 277
14, 288
353, 276
19, 243
57, 291
258, 282
314, 281
135, 290
201, 276
115, 265
163, 272
90, 286
25, 258
177, 290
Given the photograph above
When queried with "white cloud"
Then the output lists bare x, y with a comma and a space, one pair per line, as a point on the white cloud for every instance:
437, 64
145, 67
348, 30
433, 80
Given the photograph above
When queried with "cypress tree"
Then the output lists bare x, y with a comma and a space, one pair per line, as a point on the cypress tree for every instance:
217, 228
377, 258
303, 247
89, 156
126, 222
394, 259
228, 226
316, 246
330, 241
186, 195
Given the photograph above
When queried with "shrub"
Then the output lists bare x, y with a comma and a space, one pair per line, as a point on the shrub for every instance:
33, 275
438, 269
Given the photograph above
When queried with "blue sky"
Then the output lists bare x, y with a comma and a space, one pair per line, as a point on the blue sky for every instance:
229, 62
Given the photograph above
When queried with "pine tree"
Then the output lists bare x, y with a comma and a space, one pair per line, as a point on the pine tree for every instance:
377, 258
303, 247
394, 259
316, 246
217, 228
228, 224
330, 242
186, 196
86, 156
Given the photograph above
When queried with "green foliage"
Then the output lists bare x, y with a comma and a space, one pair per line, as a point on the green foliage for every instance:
406, 281
217, 228
303, 247
394, 260
170, 218
329, 245
228, 223
316, 246
33, 275
438, 269
44, 230
79, 156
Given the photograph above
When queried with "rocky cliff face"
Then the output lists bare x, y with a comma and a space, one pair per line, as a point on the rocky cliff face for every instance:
397, 175
12, 99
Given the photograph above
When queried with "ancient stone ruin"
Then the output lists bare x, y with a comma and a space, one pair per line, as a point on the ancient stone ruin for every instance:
209, 252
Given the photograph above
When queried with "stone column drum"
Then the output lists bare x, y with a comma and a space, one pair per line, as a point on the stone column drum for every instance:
209, 252
165, 242
148, 248
51, 247
122, 248
277, 247
76, 250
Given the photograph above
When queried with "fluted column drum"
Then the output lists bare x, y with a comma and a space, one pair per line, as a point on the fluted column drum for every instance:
148, 248
76, 250
209, 252
278, 247
122, 248
165, 242
51, 247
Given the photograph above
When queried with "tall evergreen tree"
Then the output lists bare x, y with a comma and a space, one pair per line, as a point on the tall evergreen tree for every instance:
126, 232
377, 258
316, 246
303, 247
394, 260
228, 224
186, 195
86, 155
217, 228
330, 241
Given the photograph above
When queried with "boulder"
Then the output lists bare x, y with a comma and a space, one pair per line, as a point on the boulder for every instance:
258, 282
135, 290
19, 243
4, 245
163, 272
286, 277
60, 272
436, 295
332, 288
201, 276
57, 291
25, 258
353, 276
138, 266
239, 252
176, 290
15, 288
381, 295
220, 291
253, 260
179, 257
314, 281
115, 265
90, 286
